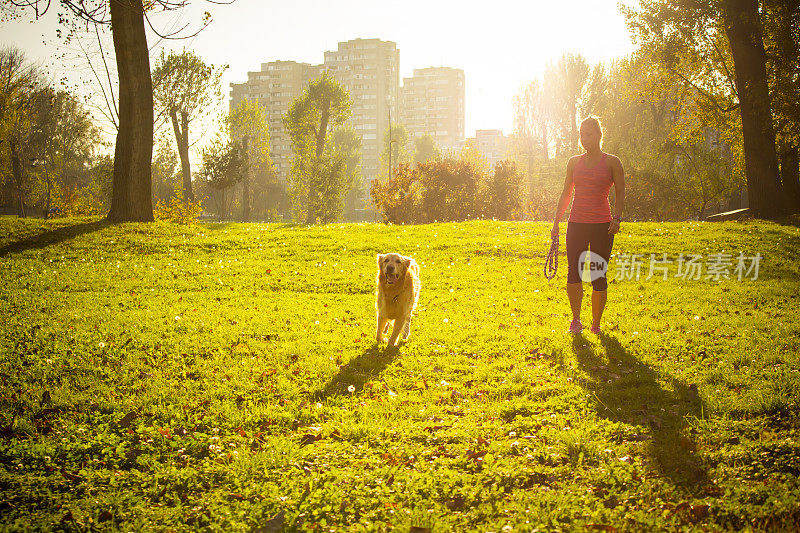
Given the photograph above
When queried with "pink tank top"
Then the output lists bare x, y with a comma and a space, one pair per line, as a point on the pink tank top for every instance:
591, 186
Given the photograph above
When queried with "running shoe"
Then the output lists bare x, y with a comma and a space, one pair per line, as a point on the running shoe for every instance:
595, 330
575, 326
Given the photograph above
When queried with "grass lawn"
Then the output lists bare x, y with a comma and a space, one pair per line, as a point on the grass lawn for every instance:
225, 377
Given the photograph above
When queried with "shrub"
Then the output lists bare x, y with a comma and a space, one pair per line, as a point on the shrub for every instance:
71, 201
397, 199
505, 192
176, 210
449, 190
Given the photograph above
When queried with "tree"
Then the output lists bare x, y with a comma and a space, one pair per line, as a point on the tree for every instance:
22, 89
681, 155
743, 28
505, 192
533, 117
781, 24
65, 140
716, 48
131, 200
184, 87
426, 149
224, 165
165, 176
316, 176
395, 148
248, 124
347, 147
571, 74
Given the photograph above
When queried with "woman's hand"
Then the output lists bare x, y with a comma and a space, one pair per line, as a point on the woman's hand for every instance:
554, 231
613, 227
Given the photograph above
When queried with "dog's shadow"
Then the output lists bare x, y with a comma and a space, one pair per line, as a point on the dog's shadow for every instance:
359, 371
630, 391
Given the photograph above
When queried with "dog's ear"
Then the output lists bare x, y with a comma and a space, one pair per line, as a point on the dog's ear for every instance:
379, 259
406, 262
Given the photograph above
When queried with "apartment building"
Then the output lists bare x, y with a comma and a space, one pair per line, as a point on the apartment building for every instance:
432, 100
432, 103
492, 145
274, 87
370, 70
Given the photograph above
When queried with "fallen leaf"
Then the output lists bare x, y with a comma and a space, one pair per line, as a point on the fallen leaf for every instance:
309, 438
600, 527
127, 419
699, 512
456, 504
273, 525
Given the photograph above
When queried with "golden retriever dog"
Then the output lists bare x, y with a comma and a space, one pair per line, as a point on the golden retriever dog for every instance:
398, 291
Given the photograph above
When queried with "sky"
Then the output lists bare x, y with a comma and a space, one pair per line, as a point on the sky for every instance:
501, 45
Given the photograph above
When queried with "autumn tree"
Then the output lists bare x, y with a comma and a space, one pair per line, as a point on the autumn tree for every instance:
224, 165
426, 149
317, 175
185, 88
395, 148
504, 192
131, 197
533, 119
65, 141
165, 175
716, 47
248, 124
781, 24
347, 148
22, 87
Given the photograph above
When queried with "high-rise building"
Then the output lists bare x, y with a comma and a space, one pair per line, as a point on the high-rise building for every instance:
432, 103
274, 87
433, 100
370, 70
492, 145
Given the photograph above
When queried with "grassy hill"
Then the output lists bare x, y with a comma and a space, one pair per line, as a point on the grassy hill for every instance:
226, 377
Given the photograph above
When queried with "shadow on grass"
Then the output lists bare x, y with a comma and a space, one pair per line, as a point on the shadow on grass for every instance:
358, 371
632, 392
51, 237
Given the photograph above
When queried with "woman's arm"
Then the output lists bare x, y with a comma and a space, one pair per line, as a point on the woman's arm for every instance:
618, 175
566, 196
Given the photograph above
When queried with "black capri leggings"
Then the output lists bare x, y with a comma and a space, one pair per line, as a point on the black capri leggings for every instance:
585, 236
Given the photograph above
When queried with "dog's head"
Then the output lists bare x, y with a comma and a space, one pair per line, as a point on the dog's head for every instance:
393, 267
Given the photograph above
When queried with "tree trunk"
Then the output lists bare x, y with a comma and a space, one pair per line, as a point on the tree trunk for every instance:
49, 191
790, 175
743, 29
313, 189
131, 198
182, 140
18, 170
246, 182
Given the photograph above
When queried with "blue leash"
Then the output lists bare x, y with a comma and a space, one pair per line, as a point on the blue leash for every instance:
551, 262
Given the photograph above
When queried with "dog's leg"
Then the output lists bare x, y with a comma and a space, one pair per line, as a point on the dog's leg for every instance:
399, 324
407, 328
383, 322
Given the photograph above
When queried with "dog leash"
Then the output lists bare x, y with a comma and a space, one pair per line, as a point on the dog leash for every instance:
551, 262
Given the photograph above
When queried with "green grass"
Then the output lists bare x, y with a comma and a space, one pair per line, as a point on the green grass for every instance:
225, 377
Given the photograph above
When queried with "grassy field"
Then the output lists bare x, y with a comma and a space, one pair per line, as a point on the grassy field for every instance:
225, 377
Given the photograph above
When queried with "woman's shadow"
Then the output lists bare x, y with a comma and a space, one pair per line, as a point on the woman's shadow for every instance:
634, 393
358, 371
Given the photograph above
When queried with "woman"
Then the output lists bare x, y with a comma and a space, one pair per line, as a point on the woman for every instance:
590, 226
